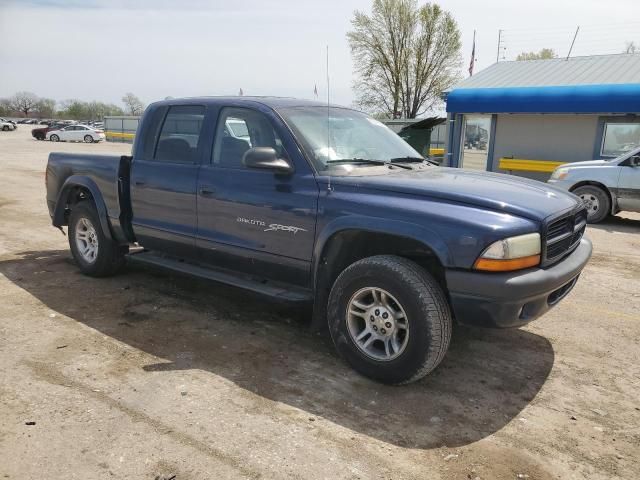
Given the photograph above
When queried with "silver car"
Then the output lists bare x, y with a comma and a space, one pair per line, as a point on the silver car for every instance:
606, 186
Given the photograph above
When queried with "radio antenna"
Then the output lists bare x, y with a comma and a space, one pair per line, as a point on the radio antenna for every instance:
328, 122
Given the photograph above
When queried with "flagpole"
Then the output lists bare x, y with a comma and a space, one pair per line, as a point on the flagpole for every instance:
473, 55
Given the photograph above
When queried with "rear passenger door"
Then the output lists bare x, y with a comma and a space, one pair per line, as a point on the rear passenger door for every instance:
164, 177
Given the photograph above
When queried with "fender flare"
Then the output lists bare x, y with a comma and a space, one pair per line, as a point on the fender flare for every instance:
413, 231
85, 182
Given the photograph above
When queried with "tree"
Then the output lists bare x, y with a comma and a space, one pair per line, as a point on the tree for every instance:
45, 108
631, 48
24, 102
405, 56
544, 54
133, 104
6, 109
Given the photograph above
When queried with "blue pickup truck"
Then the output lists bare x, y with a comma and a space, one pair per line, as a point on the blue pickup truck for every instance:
308, 203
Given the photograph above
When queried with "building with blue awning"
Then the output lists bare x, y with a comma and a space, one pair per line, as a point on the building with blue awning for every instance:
528, 117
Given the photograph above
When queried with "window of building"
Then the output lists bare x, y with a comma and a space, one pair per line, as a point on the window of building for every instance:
619, 138
180, 134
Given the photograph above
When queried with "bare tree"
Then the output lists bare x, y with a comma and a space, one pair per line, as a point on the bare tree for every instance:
631, 48
133, 104
24, 102
405, 56
544, 54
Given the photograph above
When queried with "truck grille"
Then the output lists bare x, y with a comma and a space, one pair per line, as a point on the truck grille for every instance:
563, 236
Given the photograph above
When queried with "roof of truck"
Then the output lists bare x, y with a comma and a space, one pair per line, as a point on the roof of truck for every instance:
273, 102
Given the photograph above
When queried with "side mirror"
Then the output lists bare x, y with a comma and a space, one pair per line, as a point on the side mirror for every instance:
266, 158
634, 161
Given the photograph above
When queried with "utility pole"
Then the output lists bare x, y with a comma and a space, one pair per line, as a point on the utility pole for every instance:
499, 44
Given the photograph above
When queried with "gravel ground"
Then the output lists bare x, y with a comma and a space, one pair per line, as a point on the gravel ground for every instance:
154, 376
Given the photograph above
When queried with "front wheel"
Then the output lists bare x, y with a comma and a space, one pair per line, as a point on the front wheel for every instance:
88, 139
54, 138
5, 129
95, 253
597, 202
389, 319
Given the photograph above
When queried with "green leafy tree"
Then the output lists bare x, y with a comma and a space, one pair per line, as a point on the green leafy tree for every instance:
45, 108
544, 54
5, 107
405, 56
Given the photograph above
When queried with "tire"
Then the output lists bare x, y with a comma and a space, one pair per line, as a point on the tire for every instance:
88, 139
409, 291
85, 230
597, 202
5, 129
54, 138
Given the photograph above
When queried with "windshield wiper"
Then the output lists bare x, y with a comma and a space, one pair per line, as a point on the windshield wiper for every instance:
413, 159
369, 161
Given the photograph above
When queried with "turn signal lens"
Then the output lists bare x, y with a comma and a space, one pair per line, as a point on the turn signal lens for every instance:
491, 265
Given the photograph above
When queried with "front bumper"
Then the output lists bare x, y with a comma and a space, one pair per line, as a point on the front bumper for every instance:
513, 299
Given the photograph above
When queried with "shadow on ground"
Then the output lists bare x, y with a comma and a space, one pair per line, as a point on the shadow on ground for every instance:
616, 224
486, 379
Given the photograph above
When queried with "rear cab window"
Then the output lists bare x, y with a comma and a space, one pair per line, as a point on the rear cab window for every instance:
180, 135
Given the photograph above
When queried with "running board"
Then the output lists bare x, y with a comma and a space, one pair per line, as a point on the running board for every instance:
276, 290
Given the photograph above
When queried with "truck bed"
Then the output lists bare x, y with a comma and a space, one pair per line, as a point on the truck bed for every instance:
105, 177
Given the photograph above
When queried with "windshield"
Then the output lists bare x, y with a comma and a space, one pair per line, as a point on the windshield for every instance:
342, 134
630, 152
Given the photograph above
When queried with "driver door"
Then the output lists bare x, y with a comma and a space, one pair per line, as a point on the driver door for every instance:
629, 186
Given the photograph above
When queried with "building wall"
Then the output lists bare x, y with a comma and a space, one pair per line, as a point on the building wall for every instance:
561, 138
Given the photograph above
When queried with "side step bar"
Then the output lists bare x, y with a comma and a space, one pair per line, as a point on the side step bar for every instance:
269, 288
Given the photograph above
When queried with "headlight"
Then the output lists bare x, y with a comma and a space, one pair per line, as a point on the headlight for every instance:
512, 253
559, 173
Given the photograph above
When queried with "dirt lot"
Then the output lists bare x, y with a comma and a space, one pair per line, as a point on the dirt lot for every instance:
152, 376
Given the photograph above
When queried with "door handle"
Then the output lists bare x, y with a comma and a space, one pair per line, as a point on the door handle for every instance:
139, 183
206, 191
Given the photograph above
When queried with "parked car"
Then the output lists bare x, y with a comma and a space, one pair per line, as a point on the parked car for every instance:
605, 186
326, 206
41, 133
75, 133
7, 125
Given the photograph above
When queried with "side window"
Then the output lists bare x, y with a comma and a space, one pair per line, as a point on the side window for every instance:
238, 130
180, 134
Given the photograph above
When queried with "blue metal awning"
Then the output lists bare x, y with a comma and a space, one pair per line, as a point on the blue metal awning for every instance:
611, 98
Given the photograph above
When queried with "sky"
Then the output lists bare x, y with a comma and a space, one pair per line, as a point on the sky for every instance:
99, 50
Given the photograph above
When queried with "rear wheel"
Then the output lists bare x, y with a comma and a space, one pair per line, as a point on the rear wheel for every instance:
88, 139
54, 138
5, 128
93, 251
389, 319
597, 202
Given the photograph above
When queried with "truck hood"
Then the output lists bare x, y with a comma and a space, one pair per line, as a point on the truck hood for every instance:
503, 193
